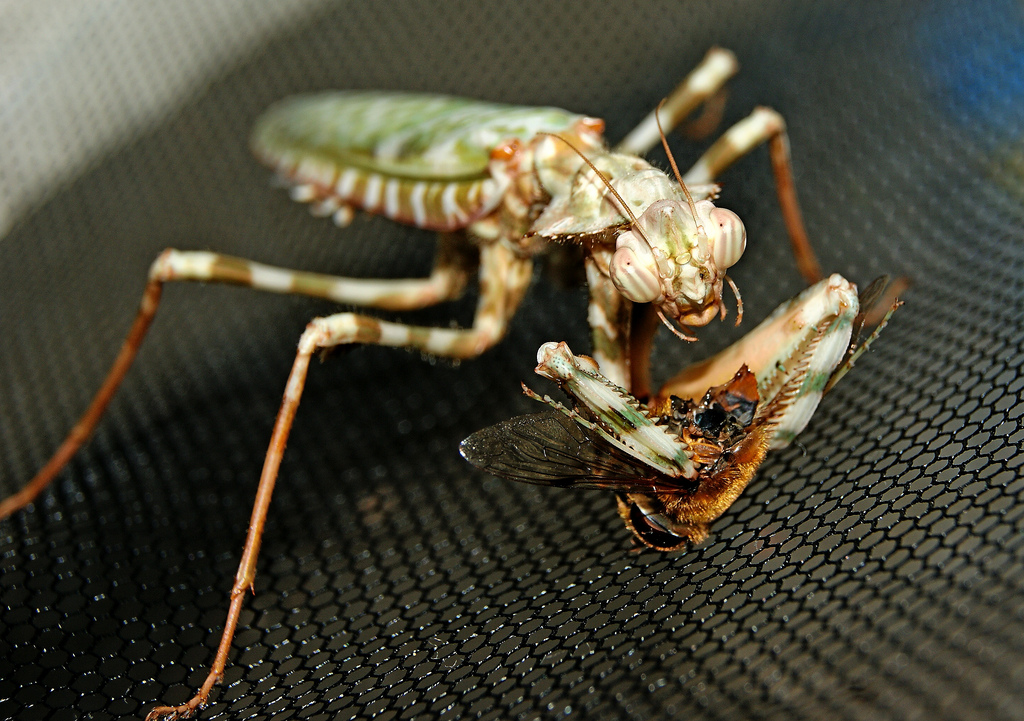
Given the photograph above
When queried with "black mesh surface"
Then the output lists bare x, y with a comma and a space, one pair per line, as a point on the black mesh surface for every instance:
872, 571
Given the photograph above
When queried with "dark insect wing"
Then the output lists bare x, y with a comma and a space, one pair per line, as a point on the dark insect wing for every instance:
868, 298
550, 449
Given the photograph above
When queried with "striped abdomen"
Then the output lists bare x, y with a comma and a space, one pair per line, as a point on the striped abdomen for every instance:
434, 204
417, 159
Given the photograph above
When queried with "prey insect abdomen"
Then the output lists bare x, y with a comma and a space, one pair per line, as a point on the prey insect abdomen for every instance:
417, 159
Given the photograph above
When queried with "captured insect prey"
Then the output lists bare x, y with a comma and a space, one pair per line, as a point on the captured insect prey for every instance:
677, 463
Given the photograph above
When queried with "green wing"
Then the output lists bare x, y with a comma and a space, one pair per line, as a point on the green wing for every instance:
417, 137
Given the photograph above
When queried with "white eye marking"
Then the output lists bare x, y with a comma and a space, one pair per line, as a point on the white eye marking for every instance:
730, 237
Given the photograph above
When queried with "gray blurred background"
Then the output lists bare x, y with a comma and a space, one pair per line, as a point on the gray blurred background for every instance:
872, 571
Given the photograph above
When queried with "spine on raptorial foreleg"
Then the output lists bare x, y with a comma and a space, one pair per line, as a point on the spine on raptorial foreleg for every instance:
810, 334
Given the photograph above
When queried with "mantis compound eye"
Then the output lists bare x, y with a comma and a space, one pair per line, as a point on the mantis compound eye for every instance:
729, 237
634, 271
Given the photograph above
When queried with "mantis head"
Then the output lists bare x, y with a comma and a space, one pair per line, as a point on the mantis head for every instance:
676, 256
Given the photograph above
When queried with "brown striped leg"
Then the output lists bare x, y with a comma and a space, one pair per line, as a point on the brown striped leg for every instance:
764, 125
454, 262
700, 86
504, 278
84, 428
446, 282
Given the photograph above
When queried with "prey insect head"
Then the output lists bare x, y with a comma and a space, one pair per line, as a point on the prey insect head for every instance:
649, 524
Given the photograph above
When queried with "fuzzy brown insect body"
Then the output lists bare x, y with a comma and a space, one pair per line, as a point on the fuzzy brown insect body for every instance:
676, 463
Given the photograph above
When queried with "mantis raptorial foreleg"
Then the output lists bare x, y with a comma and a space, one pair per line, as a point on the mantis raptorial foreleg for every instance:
621, 359
446, 282
622, 342
609, 316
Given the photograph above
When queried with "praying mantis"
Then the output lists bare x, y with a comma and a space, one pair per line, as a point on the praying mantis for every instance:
502, 185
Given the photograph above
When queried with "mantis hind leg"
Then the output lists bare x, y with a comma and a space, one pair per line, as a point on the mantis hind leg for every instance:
703, 86
504, 278
455, 261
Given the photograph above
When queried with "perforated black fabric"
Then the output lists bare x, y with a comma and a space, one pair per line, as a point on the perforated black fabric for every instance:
872, 571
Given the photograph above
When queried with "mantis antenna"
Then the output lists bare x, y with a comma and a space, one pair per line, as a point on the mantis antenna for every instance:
675, 169
696, 219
